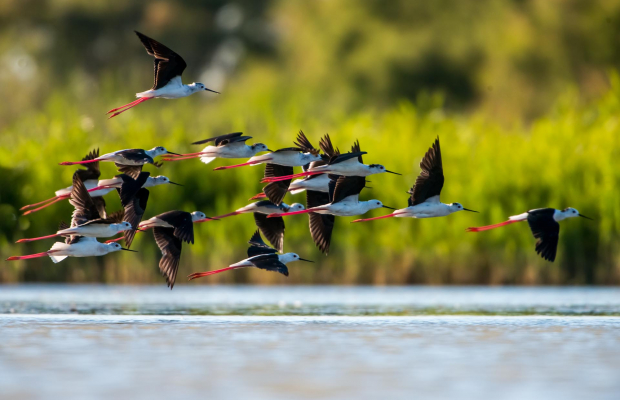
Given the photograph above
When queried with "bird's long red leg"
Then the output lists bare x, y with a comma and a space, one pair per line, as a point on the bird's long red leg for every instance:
274, 215
260, 195
79, 162
37, 204
294, 176
217, 271
381, 217
38, 238
131, 105
99, 188
241, 165
126, 105
47, 205
221, 216
37, 255
486, 228
189, 156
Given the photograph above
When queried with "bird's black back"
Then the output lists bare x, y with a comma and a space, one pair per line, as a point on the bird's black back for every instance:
223, 140
345, 186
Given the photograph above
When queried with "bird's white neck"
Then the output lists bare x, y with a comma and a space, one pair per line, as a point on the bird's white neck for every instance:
286, 258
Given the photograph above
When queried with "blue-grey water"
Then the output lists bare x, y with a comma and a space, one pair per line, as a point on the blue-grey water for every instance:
81, 342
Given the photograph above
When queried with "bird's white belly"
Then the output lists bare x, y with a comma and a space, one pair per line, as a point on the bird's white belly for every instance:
342, 209
90, 183
93, 230
318, 184
82, 249
424, 210
242, 263
349, 169
267, 210
234, 152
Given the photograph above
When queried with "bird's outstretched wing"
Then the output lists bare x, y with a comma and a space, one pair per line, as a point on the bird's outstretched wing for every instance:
327, 147
272, 228
547, 231
275, 191
85, 208
304, 144
430, 181
321, 225
134, 171
170, 247
258, 246
357, 149
134, 210
168, 64
345, 186
92, 171
182, 221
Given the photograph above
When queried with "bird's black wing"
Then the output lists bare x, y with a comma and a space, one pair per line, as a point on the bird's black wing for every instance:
272, 228
304, 144
321, 225
346, 186
258, 246
345, 157
134, 170
168, 64
182, 222
134, 210
92, 171
326, 146
114, 218
85, 207
547, 231
269, 262
430, 181
356, 149
275, 191
225, 139
170, 247
131, 186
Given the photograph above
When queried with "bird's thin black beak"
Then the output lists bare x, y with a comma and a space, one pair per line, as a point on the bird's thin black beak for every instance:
391, 208
467, 209
392, 172
174, 183
134, 251
583, 216
211, 219
209, 90
303, 259
176, 154
270, 150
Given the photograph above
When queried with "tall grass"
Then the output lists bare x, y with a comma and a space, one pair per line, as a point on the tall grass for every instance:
567, 158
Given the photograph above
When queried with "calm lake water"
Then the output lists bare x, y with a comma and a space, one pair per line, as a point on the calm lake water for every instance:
309, 342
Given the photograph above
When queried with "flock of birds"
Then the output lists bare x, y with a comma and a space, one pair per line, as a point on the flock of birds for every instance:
332, 181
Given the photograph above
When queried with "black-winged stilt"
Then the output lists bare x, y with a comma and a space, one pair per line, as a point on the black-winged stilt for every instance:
272, 228
544, 225
231, 145
170, 230
348, 164
127, 157
100, 189
89, 218
424, 200
260, 256
313, 182
169, 67
344, 196
302, 154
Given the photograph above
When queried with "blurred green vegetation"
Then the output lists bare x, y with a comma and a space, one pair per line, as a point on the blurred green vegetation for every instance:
519, 92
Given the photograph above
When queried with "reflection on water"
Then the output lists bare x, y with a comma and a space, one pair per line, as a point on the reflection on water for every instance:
308, 357
307, 300
77, 342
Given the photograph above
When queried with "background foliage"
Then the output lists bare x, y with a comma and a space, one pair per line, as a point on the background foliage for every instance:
521, 94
